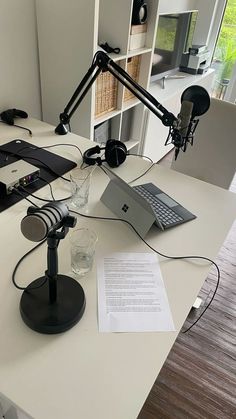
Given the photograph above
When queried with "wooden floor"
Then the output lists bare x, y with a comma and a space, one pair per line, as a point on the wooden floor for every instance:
198, 379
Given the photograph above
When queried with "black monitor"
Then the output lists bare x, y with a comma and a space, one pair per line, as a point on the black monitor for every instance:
174, 36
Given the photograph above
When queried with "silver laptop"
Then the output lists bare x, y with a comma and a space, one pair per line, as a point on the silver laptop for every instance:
143, 205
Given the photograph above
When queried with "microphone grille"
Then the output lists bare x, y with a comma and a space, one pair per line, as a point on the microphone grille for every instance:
185, 116
33, 228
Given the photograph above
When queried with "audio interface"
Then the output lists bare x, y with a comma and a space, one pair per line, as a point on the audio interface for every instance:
19, 173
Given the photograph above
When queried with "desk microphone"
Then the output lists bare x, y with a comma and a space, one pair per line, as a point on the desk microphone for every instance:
54, 302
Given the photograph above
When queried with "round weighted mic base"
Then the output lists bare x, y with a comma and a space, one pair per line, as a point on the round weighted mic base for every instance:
44, 317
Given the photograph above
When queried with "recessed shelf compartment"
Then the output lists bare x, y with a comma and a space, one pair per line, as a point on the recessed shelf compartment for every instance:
138, 51
108, 129
106, 116
130, 103
131, 126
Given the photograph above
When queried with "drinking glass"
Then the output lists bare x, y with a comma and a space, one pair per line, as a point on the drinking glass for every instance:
83, 242
80, 179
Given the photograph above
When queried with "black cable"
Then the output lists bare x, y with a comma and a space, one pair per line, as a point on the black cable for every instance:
18, 264
50, 186
165, 256
43, 199
110, 49
19, 126
141, 155
144, 173
24, 197
56, 145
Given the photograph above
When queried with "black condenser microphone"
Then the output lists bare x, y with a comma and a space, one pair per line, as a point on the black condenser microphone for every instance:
39, 222
185, 117
180, 138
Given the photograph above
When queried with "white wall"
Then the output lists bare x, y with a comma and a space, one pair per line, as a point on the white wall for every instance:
67, 39
19, 72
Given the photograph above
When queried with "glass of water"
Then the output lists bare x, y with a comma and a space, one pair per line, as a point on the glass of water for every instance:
80, 178
83, 242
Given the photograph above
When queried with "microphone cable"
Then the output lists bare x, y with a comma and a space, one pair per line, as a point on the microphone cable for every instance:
146, 171
140, 155
69, 145
50, 187
16, 190
18, 264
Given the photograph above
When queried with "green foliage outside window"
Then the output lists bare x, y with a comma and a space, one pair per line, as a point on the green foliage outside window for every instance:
165, 38
226, 45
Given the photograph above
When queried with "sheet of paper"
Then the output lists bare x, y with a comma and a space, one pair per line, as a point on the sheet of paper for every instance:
131, 294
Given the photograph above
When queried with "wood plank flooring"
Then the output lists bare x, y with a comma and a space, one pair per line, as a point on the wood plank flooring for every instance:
198, 379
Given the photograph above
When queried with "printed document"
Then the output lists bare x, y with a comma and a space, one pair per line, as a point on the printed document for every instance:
131, 294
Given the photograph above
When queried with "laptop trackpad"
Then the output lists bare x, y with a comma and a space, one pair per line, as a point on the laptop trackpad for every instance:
167, 200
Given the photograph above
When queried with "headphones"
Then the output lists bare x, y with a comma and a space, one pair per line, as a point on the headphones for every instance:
9, 115
139, 14
8, 118
115, 154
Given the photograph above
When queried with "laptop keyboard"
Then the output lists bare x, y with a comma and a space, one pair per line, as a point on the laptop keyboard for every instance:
165, 214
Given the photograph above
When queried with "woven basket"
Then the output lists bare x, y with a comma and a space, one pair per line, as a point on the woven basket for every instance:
133, 67
106, 93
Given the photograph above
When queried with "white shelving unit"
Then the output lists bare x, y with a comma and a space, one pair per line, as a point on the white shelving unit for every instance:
68, 35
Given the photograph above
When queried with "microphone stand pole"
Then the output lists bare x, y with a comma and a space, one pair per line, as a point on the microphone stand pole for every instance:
52, 259
53, 303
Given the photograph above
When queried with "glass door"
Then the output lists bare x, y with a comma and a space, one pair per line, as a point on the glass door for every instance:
224, 58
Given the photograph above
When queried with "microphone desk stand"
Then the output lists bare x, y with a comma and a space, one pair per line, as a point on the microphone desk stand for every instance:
52, 303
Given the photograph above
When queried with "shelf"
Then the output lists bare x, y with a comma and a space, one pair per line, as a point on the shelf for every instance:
131, 144
128, 104
116, 57
176, 83
139, 51
106, 116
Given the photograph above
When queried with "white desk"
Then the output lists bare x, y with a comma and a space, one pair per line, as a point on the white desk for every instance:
83, 373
